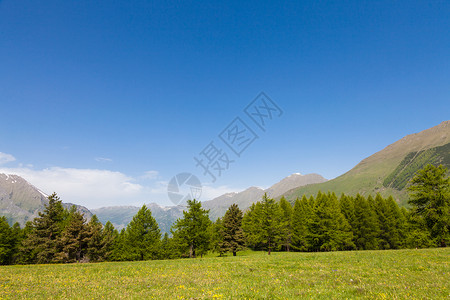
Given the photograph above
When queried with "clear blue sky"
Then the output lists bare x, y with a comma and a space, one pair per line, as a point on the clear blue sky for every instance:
100, 93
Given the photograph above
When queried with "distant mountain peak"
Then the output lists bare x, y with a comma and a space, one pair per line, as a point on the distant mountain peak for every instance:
20, 201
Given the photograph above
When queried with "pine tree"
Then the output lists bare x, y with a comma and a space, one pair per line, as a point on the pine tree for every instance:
41, 244
300, 218
73, 239
191, 231
233, 235
7, 242
143, 235
430, 198
96, 250
286, 224
110, 235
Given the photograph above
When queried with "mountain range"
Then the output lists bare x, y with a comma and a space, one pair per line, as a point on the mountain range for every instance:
20, 201
386, 172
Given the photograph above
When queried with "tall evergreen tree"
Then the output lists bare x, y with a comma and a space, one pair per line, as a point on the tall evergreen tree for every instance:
365, 225
251, 226
430, 198
110, 235
301, 215
216, 237
73, 239
266, 228
143, 235
96, 250
286, 224
41, 244
192, 230
328, 228
7, 242
233, 235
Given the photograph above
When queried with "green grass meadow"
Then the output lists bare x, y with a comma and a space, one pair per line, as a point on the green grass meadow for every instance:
396, 274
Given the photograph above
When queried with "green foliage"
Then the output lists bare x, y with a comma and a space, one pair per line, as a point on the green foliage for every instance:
232, 234
328, 230
143, 236
7, 242
96, 248
430, 199
286, 224
41, 243
73, 239
263, 224
191, 232
300, 220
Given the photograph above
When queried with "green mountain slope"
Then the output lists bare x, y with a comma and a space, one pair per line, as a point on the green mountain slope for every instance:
388, 170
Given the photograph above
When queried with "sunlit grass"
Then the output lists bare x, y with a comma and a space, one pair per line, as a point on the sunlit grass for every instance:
401, 274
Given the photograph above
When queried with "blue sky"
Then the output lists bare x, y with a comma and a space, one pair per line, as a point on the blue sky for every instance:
105, 102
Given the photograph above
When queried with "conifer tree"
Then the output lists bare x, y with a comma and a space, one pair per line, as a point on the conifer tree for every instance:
286, 224
365, 225
216, 237
191, 231
96, 250
430, 198
300, 218
143, 235
41, 244
251, 226
232, 233
110, 235
271, 226
328, 228
7, 242
73, 239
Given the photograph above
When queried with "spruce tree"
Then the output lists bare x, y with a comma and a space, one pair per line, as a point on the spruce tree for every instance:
41, 244
191, 231
232, 233
143, 235
73, 239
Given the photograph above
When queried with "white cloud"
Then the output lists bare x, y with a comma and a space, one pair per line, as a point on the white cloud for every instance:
6, 158
103, 159
88, 187
150, 175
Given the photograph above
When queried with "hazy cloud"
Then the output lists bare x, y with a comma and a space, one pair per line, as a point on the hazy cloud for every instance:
103, 159
6, 158
88, 187
150, 175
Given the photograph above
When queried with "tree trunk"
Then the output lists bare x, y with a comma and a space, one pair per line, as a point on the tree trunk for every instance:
191, 251
234, 253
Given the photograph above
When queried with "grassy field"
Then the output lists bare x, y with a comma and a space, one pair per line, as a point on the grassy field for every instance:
401, 274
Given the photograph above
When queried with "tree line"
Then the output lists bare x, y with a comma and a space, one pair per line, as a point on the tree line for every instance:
321, 223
